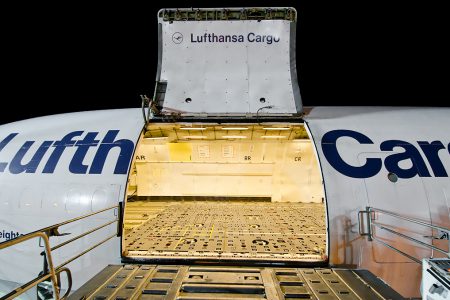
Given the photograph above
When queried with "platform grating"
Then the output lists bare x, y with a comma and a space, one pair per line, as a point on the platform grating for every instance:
170, 282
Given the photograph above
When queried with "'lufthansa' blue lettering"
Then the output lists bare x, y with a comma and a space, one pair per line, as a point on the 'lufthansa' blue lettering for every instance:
27, 161
2, 145
60, 146
126, 151
76, 165
406, 164
16, 166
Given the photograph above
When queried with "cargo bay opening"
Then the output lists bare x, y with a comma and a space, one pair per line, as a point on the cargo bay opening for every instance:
225, 193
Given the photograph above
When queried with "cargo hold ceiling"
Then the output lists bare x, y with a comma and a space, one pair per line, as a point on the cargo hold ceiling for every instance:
174, 132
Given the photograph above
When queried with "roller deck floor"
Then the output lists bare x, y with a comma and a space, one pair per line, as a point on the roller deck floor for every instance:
225, 230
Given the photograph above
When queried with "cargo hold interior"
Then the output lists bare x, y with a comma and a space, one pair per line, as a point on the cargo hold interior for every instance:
225, 193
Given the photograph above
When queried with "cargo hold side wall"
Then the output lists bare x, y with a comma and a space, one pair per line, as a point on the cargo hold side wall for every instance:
228, 192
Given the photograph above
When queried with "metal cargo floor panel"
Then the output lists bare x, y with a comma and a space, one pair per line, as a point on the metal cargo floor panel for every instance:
193, 282
228, 230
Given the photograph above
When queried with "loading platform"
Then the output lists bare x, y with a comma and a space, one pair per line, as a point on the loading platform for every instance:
158, 282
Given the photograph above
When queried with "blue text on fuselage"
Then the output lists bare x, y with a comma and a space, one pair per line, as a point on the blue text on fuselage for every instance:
373, 166
77, 165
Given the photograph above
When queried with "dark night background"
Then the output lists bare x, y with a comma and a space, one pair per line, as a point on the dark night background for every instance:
74, 57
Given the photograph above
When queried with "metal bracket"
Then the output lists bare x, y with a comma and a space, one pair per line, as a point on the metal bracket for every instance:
365, 223
55, 232
441, 236
145, 103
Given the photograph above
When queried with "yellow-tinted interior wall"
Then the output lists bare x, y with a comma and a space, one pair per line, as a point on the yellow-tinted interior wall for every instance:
285, 171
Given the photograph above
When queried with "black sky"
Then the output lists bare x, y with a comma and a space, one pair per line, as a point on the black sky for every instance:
74, 57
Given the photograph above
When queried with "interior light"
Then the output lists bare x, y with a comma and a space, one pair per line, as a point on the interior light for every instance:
301, 140
277, 128
234, 128
234, 136
192, 128
155, 137
273, 136
195, 137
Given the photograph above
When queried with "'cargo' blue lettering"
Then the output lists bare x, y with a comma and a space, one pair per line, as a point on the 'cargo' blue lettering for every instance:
369, 169
373, 165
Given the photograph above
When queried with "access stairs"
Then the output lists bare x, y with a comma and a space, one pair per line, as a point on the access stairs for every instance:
158, 282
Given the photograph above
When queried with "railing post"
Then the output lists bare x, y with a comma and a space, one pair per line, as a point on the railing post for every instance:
120, 214
42, 289
48, 252
369, 223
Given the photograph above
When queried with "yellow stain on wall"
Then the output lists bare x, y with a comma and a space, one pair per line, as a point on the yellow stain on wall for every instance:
180, 151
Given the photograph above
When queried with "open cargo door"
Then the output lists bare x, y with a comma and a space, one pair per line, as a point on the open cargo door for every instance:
227, 62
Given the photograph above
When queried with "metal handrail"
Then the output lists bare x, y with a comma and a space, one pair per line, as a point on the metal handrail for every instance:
51, 272
85, 251
83, 234
53, 229
412, 220
369, 212
397, 250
